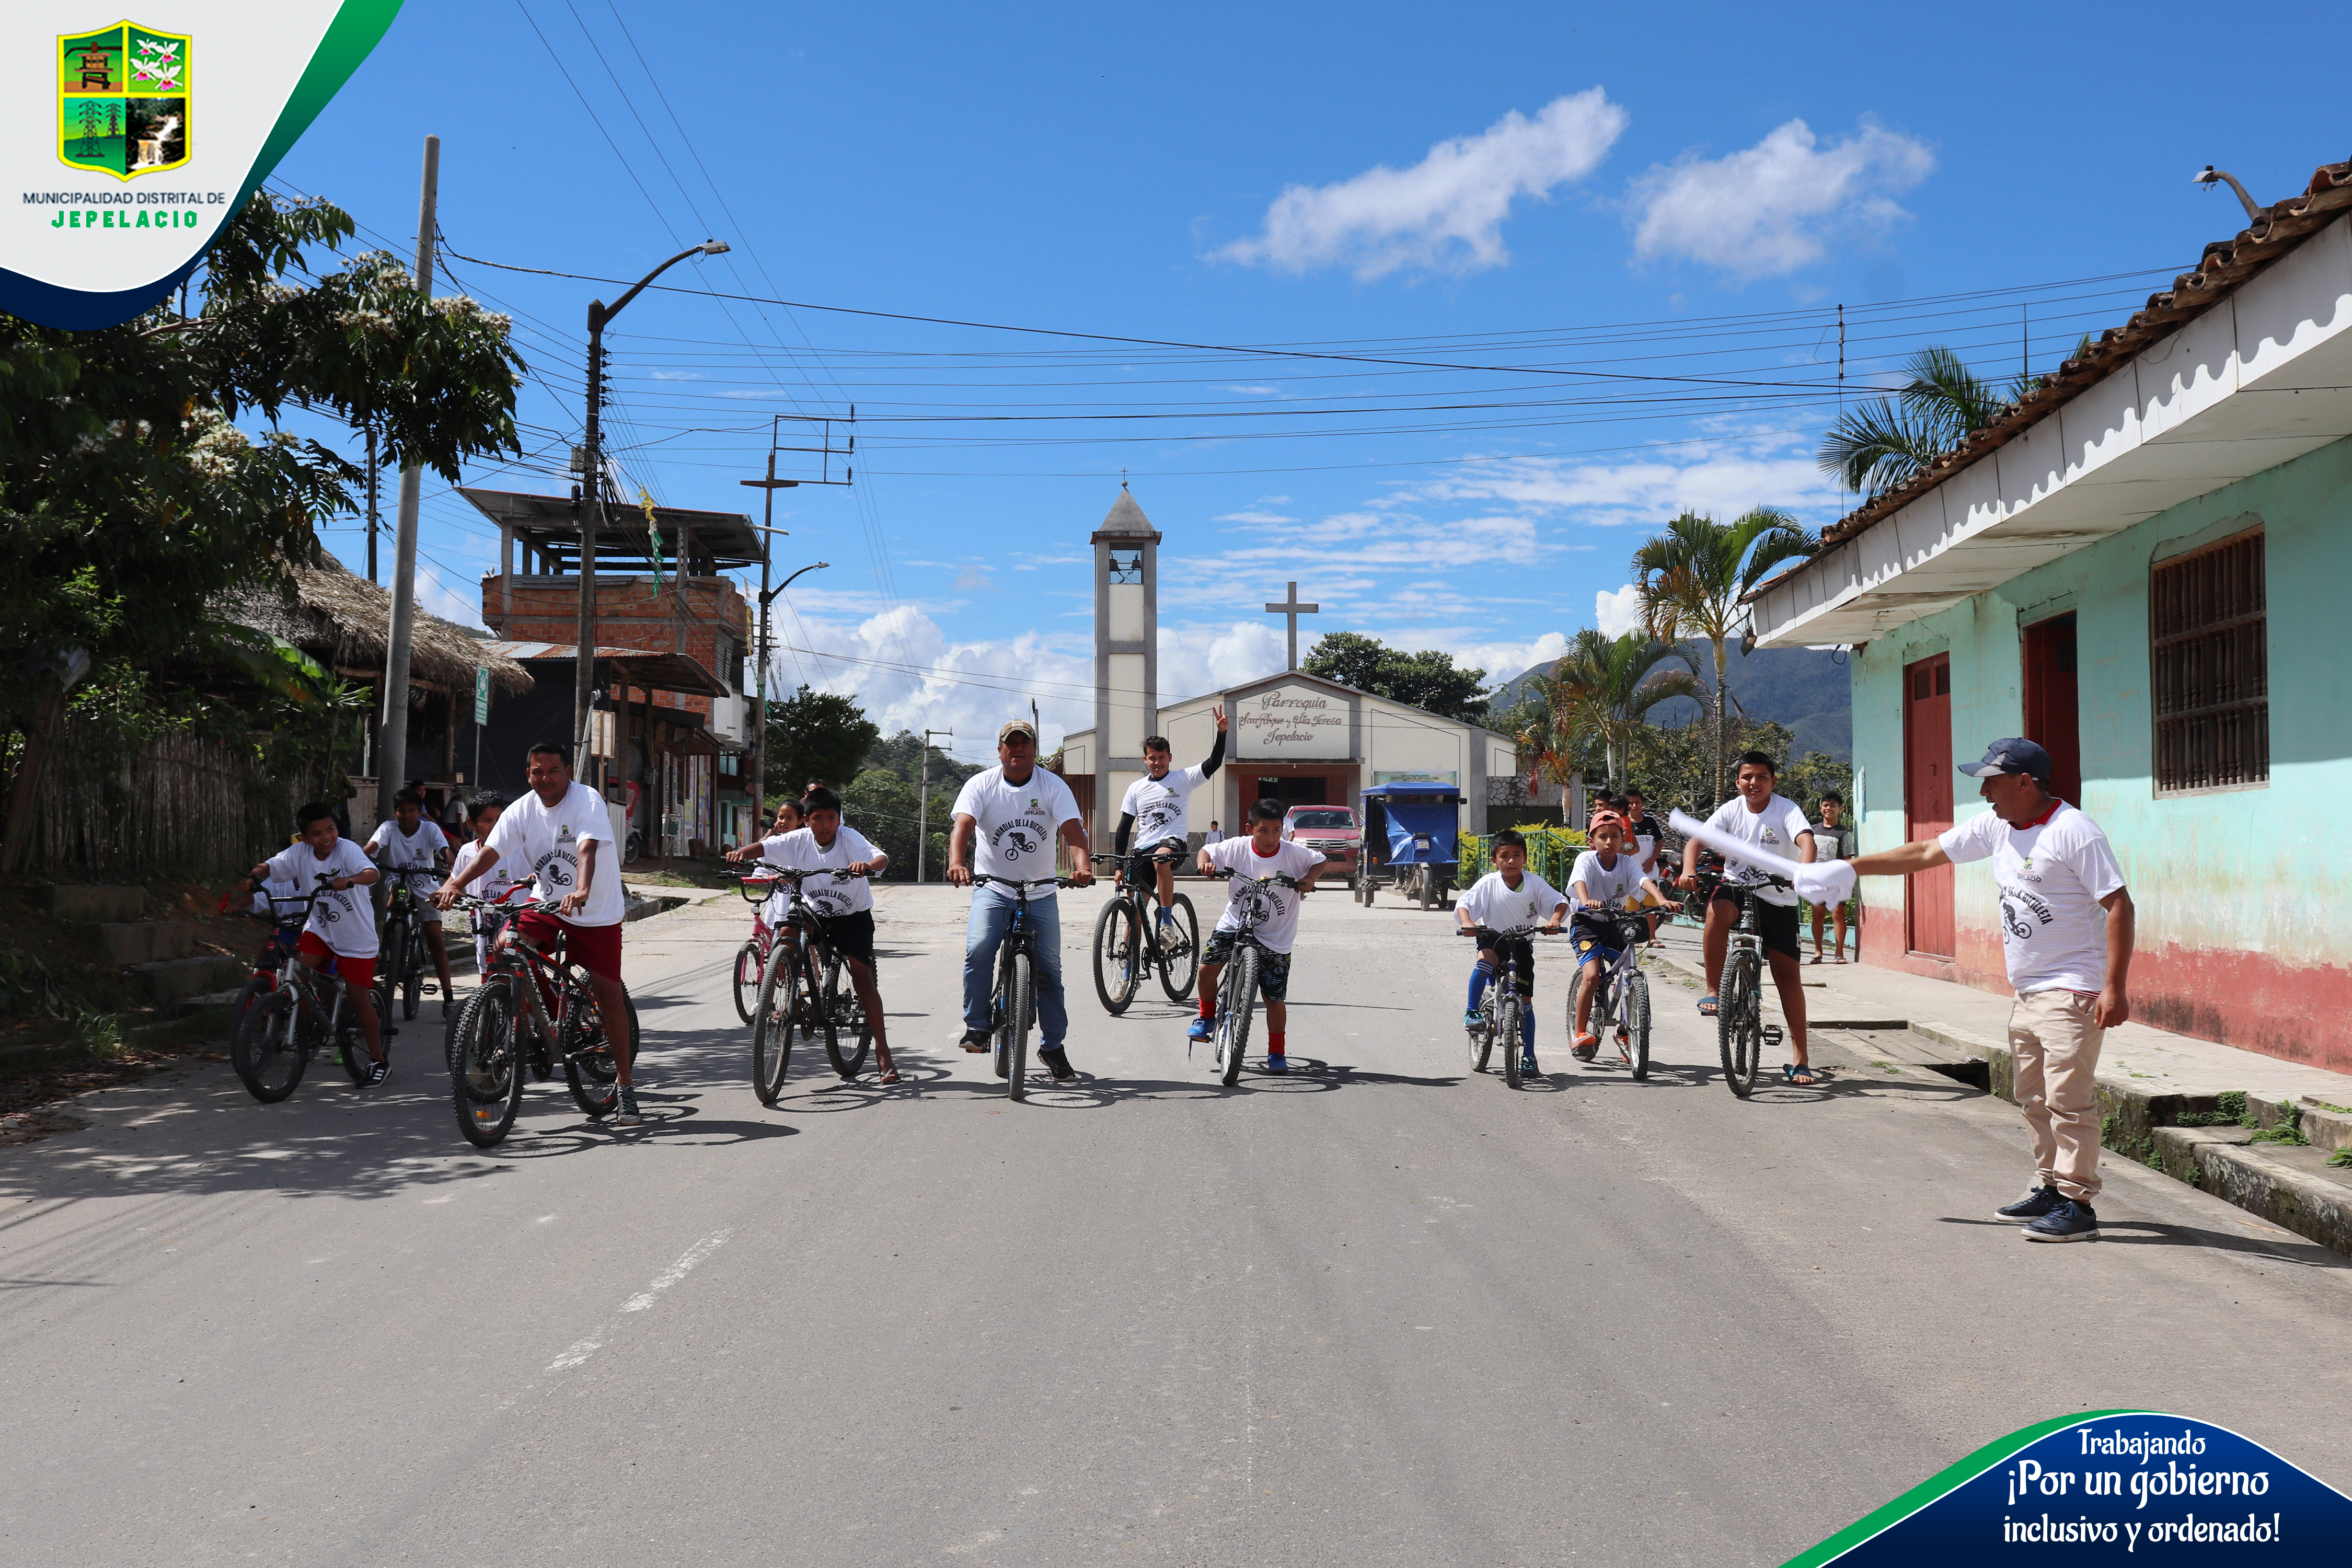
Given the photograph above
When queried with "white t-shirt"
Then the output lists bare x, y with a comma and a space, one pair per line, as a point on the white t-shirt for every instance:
1491, 902
275, 885
1611, 887
1832, 843
407, 852
345, 921
1017, 824
799, 851
498, 881
1645, 840
2052, 877
1159, 806
547, 838
1279, 928
1775, 828
1212, 836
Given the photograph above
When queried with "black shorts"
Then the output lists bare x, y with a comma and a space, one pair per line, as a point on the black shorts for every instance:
852, 935
1776, 924
1143, 871
1524, 960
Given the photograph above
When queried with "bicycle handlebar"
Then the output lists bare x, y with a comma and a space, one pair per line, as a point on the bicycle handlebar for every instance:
1277, 877
1016, 882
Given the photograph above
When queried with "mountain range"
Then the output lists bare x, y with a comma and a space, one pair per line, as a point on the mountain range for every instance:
1805, 688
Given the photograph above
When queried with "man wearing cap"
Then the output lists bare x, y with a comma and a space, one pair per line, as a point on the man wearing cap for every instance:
2067, 924
1016, 810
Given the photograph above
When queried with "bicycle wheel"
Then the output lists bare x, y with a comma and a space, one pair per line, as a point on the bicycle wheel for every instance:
1119, 955
1635, 1025
1482, 1038
771, 1022
260, 983
265, 1051
1507, 1037
486, 1073
590, 1068
1739, 1026
1180, 971
747, 979
412, 972
387, 970
848, 1033
1020, 1014
1234, 1016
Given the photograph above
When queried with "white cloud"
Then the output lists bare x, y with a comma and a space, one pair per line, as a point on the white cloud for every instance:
451, 605
1194, 660
1444, 214
1619, 613
1772, 208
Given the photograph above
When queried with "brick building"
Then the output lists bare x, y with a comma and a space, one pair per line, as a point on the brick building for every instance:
673, 638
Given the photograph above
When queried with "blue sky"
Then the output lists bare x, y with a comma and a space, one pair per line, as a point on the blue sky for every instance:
1627, 234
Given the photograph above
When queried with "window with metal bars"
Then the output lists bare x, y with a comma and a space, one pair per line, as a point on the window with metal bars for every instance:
2209, 667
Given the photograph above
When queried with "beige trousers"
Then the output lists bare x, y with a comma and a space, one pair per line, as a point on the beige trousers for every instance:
2054, 1036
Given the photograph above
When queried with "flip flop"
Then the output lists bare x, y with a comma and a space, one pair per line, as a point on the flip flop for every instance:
1813, 1076
1707, 1005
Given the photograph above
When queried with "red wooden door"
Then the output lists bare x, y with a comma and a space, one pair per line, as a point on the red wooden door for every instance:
1927, 798
2053, 718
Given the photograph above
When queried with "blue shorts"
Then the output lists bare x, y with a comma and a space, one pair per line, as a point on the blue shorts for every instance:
1592, 942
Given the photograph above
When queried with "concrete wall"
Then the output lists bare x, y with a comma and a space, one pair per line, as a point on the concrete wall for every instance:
2242, 893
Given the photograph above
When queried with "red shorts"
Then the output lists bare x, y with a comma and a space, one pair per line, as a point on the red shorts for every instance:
359, 974
596, 949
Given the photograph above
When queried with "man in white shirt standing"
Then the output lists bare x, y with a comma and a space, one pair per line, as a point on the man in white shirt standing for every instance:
561, 832
1769, 821
2067, 926
1015, 811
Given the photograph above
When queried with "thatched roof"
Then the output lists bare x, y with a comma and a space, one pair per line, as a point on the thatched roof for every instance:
342, 620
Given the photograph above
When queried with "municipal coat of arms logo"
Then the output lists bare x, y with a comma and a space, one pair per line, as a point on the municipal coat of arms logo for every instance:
122, 100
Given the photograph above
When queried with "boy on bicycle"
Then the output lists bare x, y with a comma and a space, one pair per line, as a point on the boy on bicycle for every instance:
342, 927
1262, 854
827, 844
482, 810
1603, 878
1772, 822
1510, 897
409, 846
1154, 811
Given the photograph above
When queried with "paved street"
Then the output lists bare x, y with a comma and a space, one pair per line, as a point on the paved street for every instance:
1379, 1313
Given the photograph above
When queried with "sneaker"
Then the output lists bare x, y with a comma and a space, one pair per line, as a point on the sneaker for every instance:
2070, 1221
1275, 1061
1474, 1020
625, 1114
1057, 1062
378, 1074
1202, 1029
1586, 1047
2030, 1207
1527, 1067
974, 1041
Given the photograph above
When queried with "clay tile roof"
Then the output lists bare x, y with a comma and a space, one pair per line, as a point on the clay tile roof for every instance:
2226, 267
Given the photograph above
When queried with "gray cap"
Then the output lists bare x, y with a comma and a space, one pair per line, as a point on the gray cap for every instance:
2014, 755
1016, 727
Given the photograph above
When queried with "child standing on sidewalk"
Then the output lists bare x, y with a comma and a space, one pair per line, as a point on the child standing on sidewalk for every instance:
1510, 897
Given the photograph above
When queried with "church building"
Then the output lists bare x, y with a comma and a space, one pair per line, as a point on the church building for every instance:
1295, 737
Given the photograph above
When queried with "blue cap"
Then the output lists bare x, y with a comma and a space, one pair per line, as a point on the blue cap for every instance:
2014, 755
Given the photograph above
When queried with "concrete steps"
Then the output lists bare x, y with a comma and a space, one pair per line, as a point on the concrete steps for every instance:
97, 904
127, 943
170, 979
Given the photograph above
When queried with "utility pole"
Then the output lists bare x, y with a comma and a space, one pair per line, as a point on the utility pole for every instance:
372, 515
768, 530
923, 802
392, 749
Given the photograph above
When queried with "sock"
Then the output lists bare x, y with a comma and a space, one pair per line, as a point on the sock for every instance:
1528, 1030
1274, 1043
1481, 973
1208, 1003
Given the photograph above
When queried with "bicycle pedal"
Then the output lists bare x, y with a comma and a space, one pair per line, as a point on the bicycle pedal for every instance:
1772, 1034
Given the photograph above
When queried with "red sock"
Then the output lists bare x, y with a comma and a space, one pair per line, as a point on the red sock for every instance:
1274, 1043
1208, 1003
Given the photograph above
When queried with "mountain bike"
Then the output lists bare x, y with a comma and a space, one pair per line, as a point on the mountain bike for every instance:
1502, 1012
401, 957
1621, 998
532, 1010
803, 994
752, 958
1237, 987
303, 1012
1128, 939
1740, 1033
268, 966
1012, 1005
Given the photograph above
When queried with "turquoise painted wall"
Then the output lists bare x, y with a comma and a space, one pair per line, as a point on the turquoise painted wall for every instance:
2242, 894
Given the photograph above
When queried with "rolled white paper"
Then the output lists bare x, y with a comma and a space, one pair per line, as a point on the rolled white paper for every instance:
1822, 883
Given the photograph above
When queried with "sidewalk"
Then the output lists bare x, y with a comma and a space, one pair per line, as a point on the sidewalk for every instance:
2190, 1107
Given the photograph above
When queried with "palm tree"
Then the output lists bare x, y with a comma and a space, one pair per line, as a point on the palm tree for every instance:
1879, 445
1608, 687
1695, 578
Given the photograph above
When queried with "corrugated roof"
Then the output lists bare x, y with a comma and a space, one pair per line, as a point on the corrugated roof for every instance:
640, 666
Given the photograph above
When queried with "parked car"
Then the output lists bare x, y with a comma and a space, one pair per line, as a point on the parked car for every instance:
1330, 830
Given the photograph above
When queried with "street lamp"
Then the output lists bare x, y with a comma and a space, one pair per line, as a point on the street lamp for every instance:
759, 780
592, 465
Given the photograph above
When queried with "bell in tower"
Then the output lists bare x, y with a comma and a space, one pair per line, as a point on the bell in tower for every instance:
1126, 647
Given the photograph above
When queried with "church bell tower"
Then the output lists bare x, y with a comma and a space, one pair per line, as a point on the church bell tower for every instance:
1126, 652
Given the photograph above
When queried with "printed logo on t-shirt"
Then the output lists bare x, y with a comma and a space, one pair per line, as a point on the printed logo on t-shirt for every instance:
1012, 840
1771, 837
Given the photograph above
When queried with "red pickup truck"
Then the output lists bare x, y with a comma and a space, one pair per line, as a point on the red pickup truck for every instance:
1331, 831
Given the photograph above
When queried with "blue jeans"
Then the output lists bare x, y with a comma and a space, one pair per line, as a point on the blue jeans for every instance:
991, 917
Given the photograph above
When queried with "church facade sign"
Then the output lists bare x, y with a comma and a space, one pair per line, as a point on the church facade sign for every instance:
1293, 723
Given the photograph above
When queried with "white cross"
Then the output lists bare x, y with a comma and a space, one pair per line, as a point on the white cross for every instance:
1293, 609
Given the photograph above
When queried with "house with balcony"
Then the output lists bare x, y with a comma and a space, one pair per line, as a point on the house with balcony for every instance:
672, 721
2145, 566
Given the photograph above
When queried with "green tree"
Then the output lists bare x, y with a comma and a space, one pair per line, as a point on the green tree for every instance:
131, 503
1693, 580
1428, 680
1879, 445
1675, 764
816, 735
1602, 692
902, 755
881, 806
